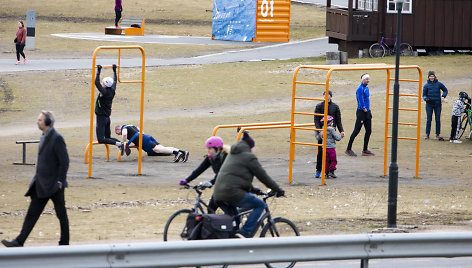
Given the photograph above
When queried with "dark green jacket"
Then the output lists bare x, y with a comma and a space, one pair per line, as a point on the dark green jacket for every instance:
235, 177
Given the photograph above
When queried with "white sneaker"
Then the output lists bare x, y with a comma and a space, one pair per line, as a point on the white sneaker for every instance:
457, 141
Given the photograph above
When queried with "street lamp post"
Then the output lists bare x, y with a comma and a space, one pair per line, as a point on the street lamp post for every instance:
393, 169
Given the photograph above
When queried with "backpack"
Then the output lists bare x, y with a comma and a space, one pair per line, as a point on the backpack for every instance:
194, 225
217, 226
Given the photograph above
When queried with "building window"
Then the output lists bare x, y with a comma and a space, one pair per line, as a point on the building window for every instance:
368, 5
392, 6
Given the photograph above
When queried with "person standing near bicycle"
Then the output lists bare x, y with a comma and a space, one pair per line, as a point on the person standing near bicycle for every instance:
234, 183
457, 110
434, 99
217, 153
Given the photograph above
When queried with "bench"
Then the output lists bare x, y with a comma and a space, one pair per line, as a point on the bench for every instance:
125, 26
95, 143
24, 152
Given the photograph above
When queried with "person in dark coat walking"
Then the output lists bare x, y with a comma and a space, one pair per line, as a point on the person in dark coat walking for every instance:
335, 112
434, 99
233, 185
118, 10
49, 181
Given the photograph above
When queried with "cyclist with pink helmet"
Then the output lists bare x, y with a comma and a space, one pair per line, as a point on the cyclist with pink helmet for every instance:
217, 153
331, 138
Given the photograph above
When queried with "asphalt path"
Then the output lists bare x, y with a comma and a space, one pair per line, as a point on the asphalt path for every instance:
273, 51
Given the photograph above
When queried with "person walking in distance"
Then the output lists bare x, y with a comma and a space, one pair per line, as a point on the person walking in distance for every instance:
335, 112
434, 99
103, 105
363, 117
118, 10
49, 181
20, 42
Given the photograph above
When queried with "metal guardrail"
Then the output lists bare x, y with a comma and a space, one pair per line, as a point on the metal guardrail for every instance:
242, 251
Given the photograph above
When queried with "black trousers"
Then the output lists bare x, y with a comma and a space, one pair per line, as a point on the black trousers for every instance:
319, 156
362, 119
19, 51
117, 16
103, 130
35, 209
455, 125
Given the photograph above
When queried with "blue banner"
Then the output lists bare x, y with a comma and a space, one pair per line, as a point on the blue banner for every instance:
234, 20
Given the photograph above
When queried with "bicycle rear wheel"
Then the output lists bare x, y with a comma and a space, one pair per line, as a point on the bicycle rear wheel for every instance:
176, 226
463, 126
282, 227
405, 49
376, 50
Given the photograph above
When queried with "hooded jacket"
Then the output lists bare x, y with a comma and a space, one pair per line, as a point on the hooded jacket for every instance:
216, 161
432, 90
235, 177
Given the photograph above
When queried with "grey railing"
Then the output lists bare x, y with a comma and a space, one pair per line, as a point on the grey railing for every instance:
243, 251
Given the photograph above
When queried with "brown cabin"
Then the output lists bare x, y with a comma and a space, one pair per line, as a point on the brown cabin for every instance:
433, 25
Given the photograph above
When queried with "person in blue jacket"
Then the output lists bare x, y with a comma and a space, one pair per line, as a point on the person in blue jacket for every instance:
434, 98
363, 117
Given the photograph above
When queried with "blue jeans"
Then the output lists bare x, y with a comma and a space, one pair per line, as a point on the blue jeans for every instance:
252, 202
436, 107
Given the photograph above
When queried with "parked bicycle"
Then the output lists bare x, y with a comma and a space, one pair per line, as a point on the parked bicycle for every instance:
176, 227
466, 120
380, 49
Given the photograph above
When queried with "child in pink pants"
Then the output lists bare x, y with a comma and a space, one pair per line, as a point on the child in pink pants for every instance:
331, 138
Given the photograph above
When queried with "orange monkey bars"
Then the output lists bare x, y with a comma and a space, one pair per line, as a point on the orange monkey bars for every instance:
92, 103
331, 69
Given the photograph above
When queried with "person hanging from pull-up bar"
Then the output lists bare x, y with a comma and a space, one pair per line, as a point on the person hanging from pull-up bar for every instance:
103, 105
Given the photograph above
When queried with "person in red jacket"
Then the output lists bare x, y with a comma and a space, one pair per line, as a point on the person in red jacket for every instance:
20, 42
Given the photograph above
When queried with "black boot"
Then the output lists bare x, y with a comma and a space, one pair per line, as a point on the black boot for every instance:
11, 244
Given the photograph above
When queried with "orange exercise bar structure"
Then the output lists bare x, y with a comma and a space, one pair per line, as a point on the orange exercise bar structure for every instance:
92, 98
330, 69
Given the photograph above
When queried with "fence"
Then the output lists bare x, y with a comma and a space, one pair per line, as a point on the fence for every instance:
243, 251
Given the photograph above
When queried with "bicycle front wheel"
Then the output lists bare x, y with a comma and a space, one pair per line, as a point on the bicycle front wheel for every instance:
463, 126
405, 49
176, 226
282, 227
376, 50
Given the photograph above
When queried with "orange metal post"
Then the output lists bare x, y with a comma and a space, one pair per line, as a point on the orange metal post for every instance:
92, 96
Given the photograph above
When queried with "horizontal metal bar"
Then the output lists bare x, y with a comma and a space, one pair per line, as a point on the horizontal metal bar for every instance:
34, 141
403, 138
305, 143
137, 81
243, 251
406, 124
308, 128
407, 95
304, 113
310, 83
405, 80
306, 98
404, 109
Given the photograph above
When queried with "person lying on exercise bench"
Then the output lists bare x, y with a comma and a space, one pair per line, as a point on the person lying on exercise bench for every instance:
150, 145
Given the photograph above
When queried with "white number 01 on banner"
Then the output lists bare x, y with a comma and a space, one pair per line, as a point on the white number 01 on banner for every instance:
265, 8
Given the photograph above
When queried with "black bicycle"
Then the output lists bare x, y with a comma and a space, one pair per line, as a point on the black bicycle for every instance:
176, 226
466, 120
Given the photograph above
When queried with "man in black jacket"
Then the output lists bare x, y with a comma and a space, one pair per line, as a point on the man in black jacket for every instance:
48, 182
103, 108
335, 112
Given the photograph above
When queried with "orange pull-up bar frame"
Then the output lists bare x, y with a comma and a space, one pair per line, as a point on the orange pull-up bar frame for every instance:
92, 98
331, 69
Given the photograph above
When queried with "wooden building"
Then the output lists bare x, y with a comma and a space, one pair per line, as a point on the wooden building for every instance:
434, 25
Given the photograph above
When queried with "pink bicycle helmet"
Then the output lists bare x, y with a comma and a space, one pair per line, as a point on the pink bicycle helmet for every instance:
214, 141
330, 118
